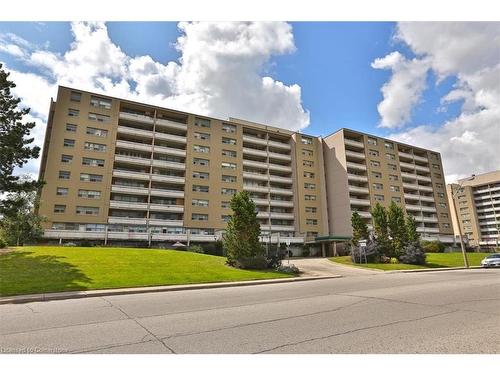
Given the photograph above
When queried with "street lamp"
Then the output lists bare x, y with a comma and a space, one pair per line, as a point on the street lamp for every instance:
462, 246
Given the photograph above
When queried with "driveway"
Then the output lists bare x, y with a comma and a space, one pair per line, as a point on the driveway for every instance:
325, 267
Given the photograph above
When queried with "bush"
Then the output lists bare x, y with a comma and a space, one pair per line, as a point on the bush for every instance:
214, 248
196, 249
371, 251
413, 254
384, 259
69, 244
253, 263
292, 268
394, 261
85, 243
3, 245
433, 246
306, 252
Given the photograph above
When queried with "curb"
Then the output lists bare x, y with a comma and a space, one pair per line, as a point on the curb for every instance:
154, 289
434, 269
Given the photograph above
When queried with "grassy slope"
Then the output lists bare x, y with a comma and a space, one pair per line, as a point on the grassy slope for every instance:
434, 260
41, 269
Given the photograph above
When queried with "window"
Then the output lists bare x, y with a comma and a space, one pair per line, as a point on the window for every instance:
201, 175
373, 153
389, 156
378, 186
440, 195
64, 175
200, 202
71, 127
199, 217
93, 162
228, 141
87, 177
225, 218
392, 167
97, 132
309, 186
374, 163
306, 152
372, 141
201, 122
69, 143
439, 186
378, 197
226, 178
228, 128
228, 166
75, 96
444, 215
85, 210
394, 188
204, 149
435, 166
309, 197
91, 194
66, 159
225, 204
229, 153
200, 188
62, 191
226, 191
98, 117
307, 163
437, 175
389, 145
59, 208
202, 136
311, 222
396, 199
442, 205
311, 210
376, 175
95, 101
95, 146
393, 177
201, 162
446, 225
306, 140
309, 174
73, 112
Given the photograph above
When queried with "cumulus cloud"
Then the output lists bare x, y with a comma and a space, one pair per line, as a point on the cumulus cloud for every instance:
468, 51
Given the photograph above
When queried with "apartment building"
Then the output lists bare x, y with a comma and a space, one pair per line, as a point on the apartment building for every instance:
477, 203
362, 170
121, 171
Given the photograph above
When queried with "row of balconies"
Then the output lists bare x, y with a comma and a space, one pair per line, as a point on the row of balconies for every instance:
148, 162
142, 133
265, 177
263, 153
488, 203
353, 143
419, 197
487, 190
264, 142
413, 157
150, 148
415, 176
414, 167
144, 206
266, 166
414, 207
265, 189
149, 120
146, 176
417, 187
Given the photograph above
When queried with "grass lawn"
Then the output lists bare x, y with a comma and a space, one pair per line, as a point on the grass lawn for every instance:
41, 269
434, 260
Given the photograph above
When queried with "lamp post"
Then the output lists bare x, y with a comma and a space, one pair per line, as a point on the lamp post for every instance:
462, 246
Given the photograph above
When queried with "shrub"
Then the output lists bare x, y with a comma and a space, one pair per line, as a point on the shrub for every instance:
196, 249
433, 246
214, 248
384, 259
372, 252
69, 244
413, 254
394, 261
85, 243
306, 252
292, 268
2, 244
251, 263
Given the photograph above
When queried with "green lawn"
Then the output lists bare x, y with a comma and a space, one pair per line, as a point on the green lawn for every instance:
41, 269
434, 260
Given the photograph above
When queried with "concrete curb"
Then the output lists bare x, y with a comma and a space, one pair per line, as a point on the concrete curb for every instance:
434, 269
153, 289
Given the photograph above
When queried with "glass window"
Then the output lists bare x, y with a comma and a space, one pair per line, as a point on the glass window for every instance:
226, 178
204, 149
59, 208
91, 194
373, 153
374, 163
377, 174
69, 143
311, 222
200, 188
202, 136
84, 210
225, 218
435, 166
372, 141
93, 162
394, 188
307, 163
389, 145
309, 174
62, 191
228, 128
201, 162
392, 167
393, 177
226, 191
225, 204
228, 166
201, 122
378, 197
228, 141
378, 186
71, 127
87, 177
97, 132
73, 112
199, 217
95, 146
311, 210
98, 117
389, 156
306, 152
229, 153
75, 96
64, 175
396, 199
96, 101
306, 140
66, 159
309, 186
200, 202
201, 175
309, 197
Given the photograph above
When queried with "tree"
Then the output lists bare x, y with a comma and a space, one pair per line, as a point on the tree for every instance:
380, 229
15, 149
397, 229
20, 224
359, 229
411, 229
413, 254
241, 239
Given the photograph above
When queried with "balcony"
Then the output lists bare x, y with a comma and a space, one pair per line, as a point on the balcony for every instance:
283, 180
423, 178
254, 152
135, 132
357, 178
169, 237
427, 230
133, 160
169, 151
421, 158
284, 146
170, 124
359, 202
166, 207
136, 117
128, 205
129, 190
131, 175
70, 234
407, 175
281, 168
282, 215
278, 228
128, 236
409, 186
424, 219
414, 207
278, 156
360, 167
167, 178
422, 169
134, 146
363, 214
281, 191
170, 137
402, 164
358, 189
126, 220
254, 140
278, 203
419, 197
255, 176
425, 188
256, 188
169, 164
355, 155
353, 143
405, 155
166, 223
167, 193
255, 164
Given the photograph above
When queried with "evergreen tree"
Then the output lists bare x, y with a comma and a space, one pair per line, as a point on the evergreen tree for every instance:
397, 229
359, 229
381, 230
15, 149
241, 239
411, 229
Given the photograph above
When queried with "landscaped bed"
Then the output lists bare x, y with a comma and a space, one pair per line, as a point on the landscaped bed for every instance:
433, 260
43, 269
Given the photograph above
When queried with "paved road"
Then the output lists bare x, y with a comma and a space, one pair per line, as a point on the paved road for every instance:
324, 267
435, 312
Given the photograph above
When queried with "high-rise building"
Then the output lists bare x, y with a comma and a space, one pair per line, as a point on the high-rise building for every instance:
477, 204
117, 170
363, 169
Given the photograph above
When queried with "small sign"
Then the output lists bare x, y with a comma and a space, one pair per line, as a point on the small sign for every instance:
362, 243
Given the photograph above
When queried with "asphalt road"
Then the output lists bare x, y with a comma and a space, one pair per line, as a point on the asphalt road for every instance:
433, 312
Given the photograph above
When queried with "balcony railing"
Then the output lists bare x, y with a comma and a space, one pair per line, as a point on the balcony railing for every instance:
128, 205
134, 146
136, 117
169, 164
170, 124
136, 132
129, 189
130, 174
166, 207
167, 178
353, 143
359, 202
171, 137
167, 193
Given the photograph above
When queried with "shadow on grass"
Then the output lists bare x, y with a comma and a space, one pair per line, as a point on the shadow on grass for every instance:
21, 273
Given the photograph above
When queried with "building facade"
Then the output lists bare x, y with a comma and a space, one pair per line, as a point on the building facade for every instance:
477, 203
117, 171
362, 170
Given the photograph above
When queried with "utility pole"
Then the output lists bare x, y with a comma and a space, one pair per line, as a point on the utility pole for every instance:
464, 253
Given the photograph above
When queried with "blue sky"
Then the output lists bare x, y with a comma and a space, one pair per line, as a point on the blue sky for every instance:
332, 62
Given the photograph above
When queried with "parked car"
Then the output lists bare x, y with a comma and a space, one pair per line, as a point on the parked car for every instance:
492, 260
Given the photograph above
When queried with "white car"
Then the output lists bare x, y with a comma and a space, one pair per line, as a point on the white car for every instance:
492, 260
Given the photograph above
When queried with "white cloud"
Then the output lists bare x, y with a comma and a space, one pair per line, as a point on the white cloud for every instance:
468, 51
